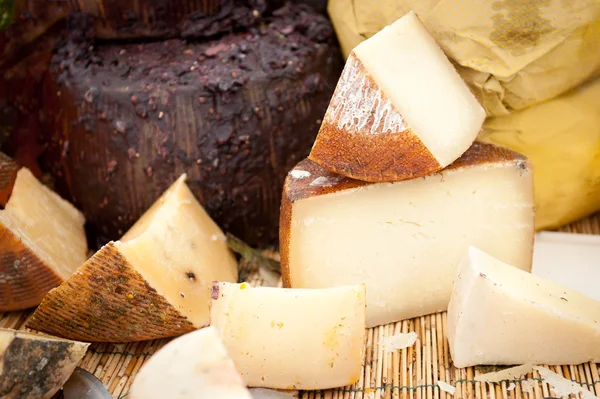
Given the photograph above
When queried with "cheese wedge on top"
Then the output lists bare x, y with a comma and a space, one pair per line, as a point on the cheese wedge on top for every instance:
499, 314
405, 239
399, 111
155, 282
193, 366
292, 339
35, 366
42, 239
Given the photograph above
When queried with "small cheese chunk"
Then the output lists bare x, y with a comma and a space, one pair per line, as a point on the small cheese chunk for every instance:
399, 111
155, 282
499, 314
405, 239
292, 339
42, 242
35, 366
193, 366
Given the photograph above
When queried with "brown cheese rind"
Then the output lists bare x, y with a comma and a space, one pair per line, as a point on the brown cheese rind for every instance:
23, 353
24, 277
107, 300
368, 153
8, 176
296, 188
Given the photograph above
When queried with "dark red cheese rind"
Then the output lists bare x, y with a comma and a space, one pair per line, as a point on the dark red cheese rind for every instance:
235, 114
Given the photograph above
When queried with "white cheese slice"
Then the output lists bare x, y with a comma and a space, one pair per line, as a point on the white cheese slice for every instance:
42, 242
499, 314
193, 366
405, 239
400, 110
155, 282
292, 338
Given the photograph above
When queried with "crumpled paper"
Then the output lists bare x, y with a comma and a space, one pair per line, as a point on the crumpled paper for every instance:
561, 137
512, 53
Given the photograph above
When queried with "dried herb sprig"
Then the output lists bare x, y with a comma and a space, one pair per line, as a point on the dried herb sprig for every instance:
252, 256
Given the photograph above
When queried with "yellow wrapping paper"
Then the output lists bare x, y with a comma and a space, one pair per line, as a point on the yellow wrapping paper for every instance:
512, 53
562, 139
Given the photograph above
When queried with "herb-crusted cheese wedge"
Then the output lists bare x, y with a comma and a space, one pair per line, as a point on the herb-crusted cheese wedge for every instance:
42, 240
292, 339
35, 366
155, 282
399, 111
499, 314
405, 239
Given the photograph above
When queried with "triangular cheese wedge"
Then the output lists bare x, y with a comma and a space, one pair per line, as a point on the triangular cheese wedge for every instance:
399, 111
499, 314
155, 282
405, 239
193, 366
8, 175
35, 366
42, 240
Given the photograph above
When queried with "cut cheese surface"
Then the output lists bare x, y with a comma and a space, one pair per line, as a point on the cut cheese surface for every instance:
155, 282
400, 109
405, 239
193, 366
42, 242
292, 339
499, 314
35, 366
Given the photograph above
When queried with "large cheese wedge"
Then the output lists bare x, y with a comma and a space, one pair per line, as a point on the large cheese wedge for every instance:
193, 366
155, 282
405, 239
399, 111
292, 339
35, 366
499, 314
42, 240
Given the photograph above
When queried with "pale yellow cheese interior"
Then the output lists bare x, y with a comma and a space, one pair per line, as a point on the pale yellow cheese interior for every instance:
405, 239
423, 86
292, 338
180, 251
501, 315
49, 226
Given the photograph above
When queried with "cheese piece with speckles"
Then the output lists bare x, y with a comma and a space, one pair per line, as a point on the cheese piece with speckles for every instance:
155, 282
405, 239
399, 111
292, 339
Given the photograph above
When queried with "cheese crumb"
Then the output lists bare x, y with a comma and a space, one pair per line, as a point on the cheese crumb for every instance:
528, 385
444, 386
299, 174
511, 386
398, 341
562, 386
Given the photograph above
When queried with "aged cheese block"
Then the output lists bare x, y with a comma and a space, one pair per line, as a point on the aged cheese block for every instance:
8, 175
405, 239
35, 366
499, 314
42, 240
292, 339
235, 114
399, 111
193, 366
155, 282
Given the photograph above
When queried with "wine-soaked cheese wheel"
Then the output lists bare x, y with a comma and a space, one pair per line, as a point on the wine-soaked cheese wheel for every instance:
42, 240
399, 111
405, 239
234, 114
292, 338
155, 282
35, 366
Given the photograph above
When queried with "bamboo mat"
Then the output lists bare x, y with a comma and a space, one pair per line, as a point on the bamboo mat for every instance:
411, 373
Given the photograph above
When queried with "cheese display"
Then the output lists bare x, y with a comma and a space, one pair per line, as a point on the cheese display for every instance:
405, 239
155, 282
399, 111
292, 338
499, 314
193, 366
234, 112
42, 240
35, 366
